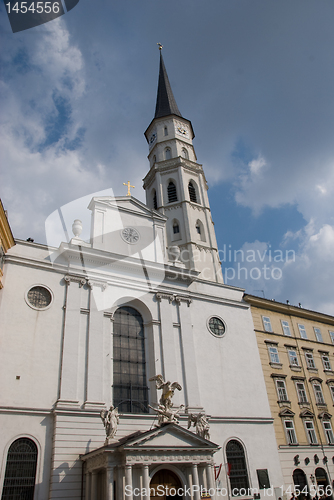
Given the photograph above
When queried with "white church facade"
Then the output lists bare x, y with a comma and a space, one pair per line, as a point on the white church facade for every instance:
86, 326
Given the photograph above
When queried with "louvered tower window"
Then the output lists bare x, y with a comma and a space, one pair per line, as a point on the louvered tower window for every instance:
129, 386
237, 465
155, 203
192, 192
20, 472
171, 191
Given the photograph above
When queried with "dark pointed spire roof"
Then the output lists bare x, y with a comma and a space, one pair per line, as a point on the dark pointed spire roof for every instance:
166, 104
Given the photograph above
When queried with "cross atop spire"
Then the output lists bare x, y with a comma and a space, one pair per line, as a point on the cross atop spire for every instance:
166, 104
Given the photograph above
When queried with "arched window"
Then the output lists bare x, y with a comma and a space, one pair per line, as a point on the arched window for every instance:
20, 475
155, 203
299, 478
176, 235
176, 227
171, 191
236, 460
168, 154
166, 131
129, 384
192, 192
200, 230
184, 153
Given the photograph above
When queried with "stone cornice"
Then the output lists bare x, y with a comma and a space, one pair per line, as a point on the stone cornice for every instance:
168, 165
288, 309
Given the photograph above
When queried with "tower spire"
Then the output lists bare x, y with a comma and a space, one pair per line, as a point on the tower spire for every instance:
166, 104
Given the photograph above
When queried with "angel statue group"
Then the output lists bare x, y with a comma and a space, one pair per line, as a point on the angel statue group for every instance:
166, 413
164, 410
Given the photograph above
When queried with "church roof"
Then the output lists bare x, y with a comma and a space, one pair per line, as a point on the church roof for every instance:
166, 104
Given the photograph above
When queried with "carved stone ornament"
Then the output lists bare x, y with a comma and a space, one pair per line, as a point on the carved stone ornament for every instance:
110, 419
201, 422
75, 279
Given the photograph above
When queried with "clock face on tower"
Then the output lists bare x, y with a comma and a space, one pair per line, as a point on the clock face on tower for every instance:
153, 137
130, 235
182, 130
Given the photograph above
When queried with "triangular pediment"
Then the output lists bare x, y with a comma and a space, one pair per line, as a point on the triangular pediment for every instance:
286, 413
126, 204
169, 436
306, 414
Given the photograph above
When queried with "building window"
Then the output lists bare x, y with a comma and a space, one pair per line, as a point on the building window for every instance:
331, 334
235, 457
184, 153
290, 432
267, 324
309, 360
20, 475
310, 432
273, 353
39, 297
328, 431
165, 131
318, 334
293, 358
286, 328
155, 203
171, 192
302, 331
129, 384
176, 228
326, 362
319, 397
331, 389
281, 391
192, 192
168, 154
301, 393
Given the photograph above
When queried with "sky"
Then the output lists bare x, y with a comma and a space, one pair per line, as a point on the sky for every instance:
256, 79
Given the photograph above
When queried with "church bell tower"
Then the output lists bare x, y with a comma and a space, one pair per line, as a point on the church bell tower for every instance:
176, 186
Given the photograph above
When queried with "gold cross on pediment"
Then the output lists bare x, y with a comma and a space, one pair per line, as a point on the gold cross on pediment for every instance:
129, 186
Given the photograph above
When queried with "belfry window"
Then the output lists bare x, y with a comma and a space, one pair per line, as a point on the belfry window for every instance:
184, 153
176, 228
192, 192
171, 191
235, 457
155, 203
129, 384
20, 475
168, 154
165, 131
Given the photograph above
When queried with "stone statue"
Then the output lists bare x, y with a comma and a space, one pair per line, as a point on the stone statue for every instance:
168, 390
110, 420
201, 422
167, 414
164, 410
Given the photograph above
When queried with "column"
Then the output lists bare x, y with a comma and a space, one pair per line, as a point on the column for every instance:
70, 348
94, 374
189, 358
93, 486
190, 482
202, 478
87, 489
110, 483
210, 478
167, 336
119, 483
196, 492
146, 482
128, 481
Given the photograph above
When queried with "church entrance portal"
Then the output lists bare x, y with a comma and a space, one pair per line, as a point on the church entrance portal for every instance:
167, 481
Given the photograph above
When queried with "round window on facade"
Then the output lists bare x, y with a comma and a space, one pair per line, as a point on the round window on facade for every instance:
216, 326
39, 297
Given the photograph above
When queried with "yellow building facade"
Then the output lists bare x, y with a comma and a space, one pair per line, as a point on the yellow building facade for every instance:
296, 348
6, 239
